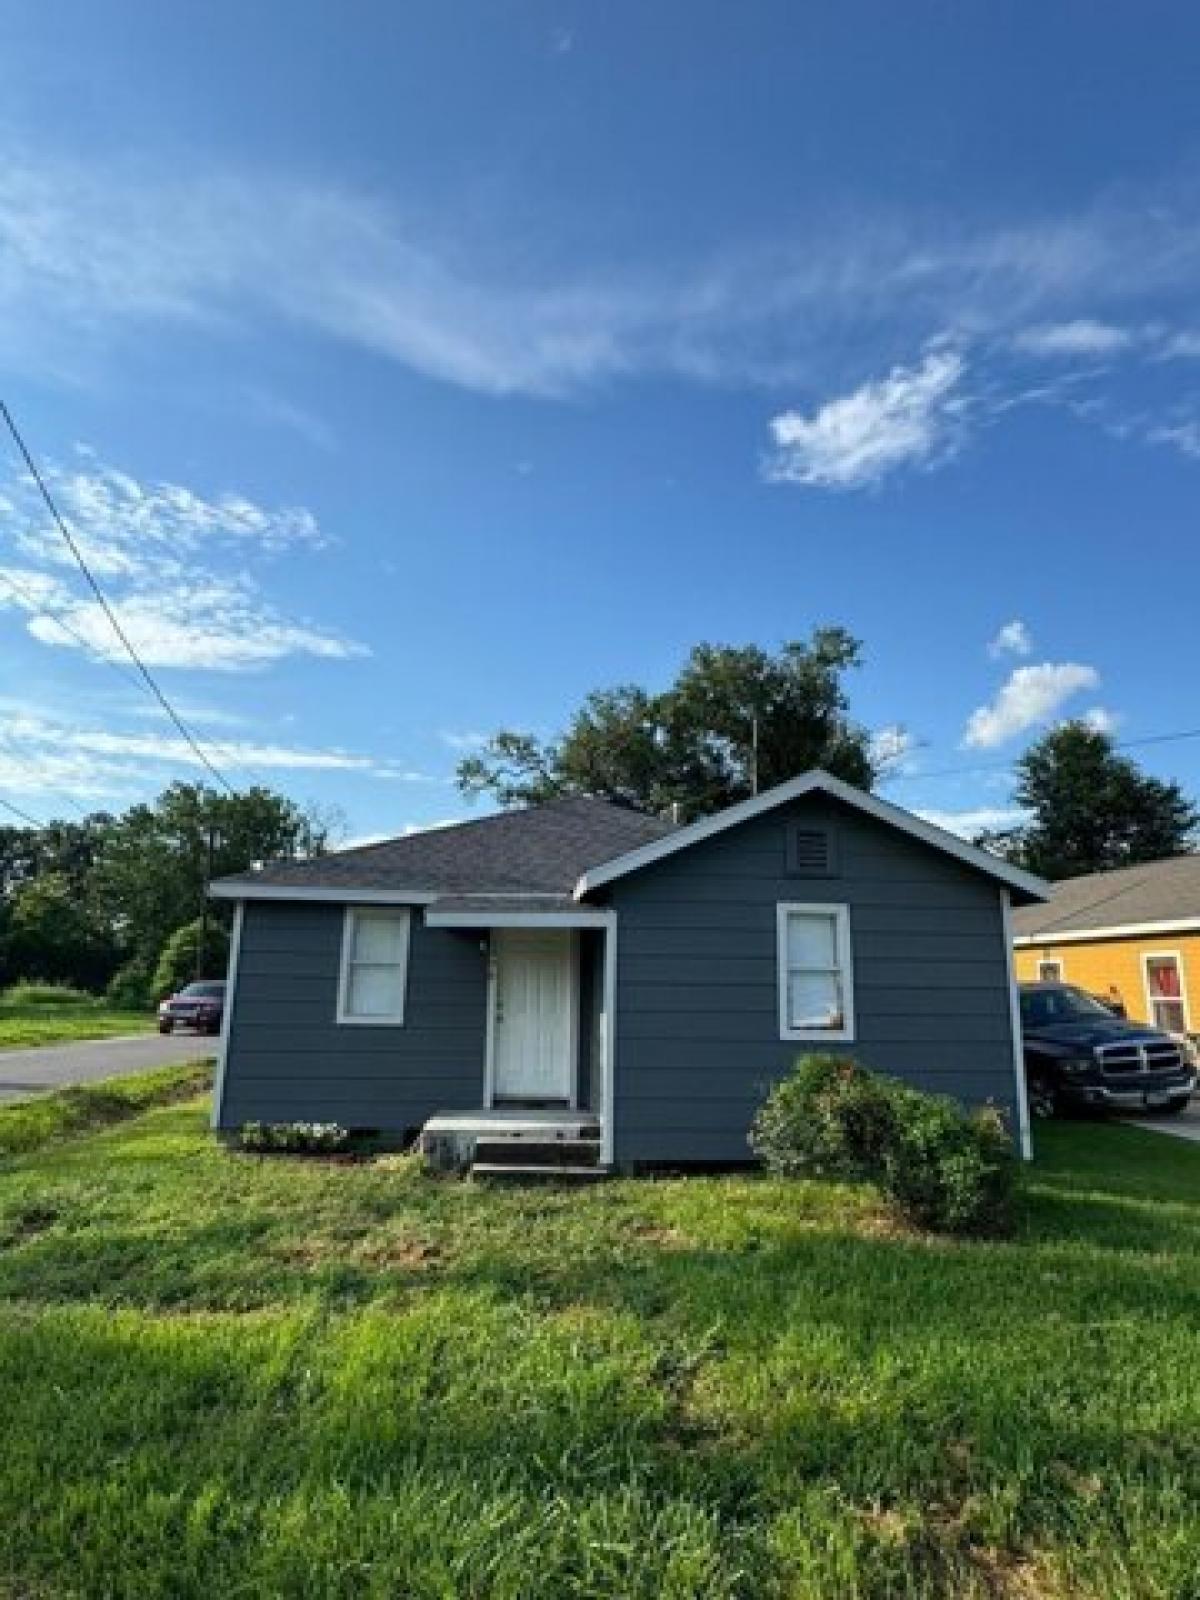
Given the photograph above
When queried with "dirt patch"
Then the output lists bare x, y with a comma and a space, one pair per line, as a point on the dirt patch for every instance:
659, 1235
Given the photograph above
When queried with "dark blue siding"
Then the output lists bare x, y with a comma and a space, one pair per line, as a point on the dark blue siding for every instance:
697, 1008
288, 1057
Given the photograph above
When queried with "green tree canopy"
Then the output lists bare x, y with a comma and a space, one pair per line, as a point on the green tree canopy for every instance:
152, 869
1091, 809
180, 960
51, 933
734, 716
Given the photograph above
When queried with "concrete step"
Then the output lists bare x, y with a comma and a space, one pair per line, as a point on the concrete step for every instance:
508, 1172
538, 1152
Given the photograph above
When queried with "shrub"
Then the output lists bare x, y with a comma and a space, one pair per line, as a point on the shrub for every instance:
129, 988
831, 1118
30, 992
295, 1138
935, 1165
946, 1170
179, 960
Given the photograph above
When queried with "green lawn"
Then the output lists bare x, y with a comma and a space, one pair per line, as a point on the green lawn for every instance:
227, 1375
24, 1025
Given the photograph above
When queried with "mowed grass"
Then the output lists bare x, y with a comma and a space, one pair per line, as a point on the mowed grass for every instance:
226, 1375
23, 1025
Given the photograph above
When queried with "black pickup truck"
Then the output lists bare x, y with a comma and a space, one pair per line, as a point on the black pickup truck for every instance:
1077, 1053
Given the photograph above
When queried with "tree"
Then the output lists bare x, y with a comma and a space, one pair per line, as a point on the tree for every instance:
180, 960
1091, 809
50, 933
736, 719
156, 860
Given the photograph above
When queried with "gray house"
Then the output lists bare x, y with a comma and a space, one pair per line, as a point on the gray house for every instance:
582, 967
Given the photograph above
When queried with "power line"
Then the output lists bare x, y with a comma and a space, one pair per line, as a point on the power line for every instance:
144, 671
24, 815
1009, 766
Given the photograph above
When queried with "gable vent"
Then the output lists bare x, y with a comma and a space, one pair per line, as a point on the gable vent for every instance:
810, 852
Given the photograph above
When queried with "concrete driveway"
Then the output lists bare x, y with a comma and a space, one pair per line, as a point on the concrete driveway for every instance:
1184, 1126
54, 1066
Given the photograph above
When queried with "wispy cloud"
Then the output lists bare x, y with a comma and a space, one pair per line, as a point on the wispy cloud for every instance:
1013, 639
892, 748
1031, 696
1102, 719
42, 753
462, 741
89, 251
908, 418
973, 821
176, 565
1081, 337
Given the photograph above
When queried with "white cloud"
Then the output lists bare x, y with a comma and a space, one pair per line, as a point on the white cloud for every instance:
1102, 719
1082, 337
175, 564
1181, 345
1184, 436
41, 752
891, 746
906, 419
969, 823
1013, 639
92, 252
1031, 696
463, 742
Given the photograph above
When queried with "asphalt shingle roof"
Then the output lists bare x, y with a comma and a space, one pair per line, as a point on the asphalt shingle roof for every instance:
541, 851
1158, 891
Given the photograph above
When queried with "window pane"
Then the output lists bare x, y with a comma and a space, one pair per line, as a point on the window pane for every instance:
1168, 1015
378, 938
814, 1000
812, 939
1163, 978
374, 991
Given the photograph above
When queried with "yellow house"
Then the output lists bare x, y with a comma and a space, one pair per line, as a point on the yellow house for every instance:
1132, 935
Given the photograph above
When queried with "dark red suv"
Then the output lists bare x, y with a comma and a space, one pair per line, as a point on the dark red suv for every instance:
199, 1005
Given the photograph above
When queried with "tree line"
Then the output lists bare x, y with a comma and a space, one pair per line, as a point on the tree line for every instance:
116, 901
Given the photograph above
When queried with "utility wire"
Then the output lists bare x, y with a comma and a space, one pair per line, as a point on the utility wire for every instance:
1010, 766
24, 815
144, 671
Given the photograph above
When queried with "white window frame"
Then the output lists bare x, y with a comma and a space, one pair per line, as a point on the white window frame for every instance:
1060, 974
840, 915
350, 918
1166, 955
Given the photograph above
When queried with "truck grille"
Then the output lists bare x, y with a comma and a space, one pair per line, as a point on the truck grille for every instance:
1119, 1060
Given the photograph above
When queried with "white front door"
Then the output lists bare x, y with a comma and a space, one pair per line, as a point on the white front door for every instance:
533, 1020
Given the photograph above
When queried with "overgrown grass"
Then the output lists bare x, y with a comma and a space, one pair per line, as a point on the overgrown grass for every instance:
225, 1374
31, 1124
45, 1013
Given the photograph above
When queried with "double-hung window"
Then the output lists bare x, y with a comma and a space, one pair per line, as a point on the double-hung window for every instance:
1164, 992
816, 980
374, 972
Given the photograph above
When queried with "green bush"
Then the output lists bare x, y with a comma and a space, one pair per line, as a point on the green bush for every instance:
948, 1171
294, 1138
830, 1119
180, 958
30, 992
129, 988
935, 1165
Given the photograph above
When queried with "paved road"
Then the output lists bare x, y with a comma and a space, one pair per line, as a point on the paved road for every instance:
53, 1066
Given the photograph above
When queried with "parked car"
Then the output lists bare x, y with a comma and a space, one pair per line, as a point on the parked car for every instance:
1077, 1053
199, 1005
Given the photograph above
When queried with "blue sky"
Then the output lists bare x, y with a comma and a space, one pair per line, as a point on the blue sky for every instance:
408, 371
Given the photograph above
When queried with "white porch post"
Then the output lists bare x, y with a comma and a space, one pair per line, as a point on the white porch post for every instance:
609, 1038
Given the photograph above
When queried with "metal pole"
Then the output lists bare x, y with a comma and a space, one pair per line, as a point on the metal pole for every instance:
202, 941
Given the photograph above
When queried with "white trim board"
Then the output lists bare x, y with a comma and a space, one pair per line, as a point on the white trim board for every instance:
233, 890
1123, 930
816, 782
515, 919
1024, 1135
231, 977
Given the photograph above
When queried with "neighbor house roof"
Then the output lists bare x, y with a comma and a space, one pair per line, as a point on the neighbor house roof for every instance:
531, 857
546, 858
1154, 897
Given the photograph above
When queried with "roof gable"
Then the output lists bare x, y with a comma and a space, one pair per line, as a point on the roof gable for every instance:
1026, 885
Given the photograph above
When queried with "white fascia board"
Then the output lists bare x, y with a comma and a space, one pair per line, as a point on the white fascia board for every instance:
1125, 930
794, 789
342, 897
516, 919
